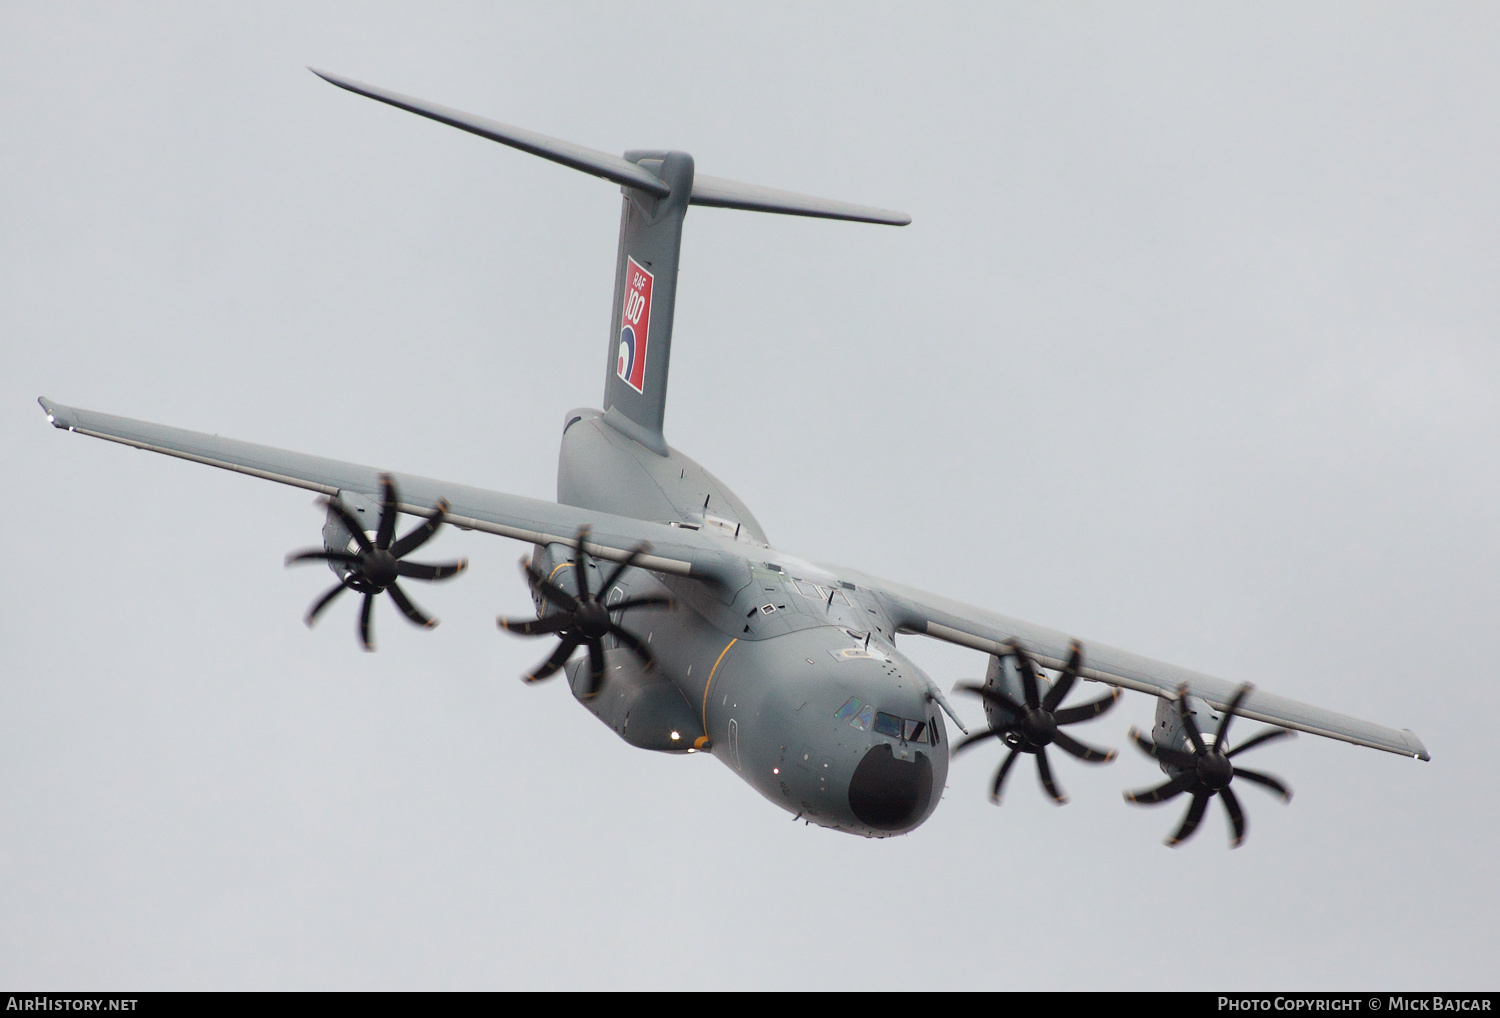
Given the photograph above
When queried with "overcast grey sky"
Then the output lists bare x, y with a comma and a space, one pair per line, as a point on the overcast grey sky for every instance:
1190, 349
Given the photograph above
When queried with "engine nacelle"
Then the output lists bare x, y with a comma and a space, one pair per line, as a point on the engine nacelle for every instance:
336, 536
1003, 675
548, 560
1169, 730
645, 708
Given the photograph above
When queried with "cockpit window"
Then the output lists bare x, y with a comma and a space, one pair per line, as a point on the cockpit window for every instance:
862, 715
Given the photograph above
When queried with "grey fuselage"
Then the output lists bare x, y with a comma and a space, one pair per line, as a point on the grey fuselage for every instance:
793, 680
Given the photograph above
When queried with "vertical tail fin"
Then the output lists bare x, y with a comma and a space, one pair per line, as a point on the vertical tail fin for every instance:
635, 383
658, 187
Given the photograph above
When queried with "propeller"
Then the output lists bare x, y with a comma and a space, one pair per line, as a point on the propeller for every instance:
1036, 723
374, 567
1206, 771
584, 619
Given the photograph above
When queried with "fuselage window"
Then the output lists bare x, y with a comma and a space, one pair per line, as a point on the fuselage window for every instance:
863, 718
847, 710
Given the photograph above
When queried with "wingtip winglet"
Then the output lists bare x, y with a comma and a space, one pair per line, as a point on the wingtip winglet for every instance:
332, 79
57, 415
1418, 751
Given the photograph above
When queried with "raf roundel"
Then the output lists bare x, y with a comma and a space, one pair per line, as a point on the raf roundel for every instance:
635, 326
627, 352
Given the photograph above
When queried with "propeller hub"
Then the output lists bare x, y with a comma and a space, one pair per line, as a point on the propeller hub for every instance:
379, 568
1215, 770
1038, 726
593, 619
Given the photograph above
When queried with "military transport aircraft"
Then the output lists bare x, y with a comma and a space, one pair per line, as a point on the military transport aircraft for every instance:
696, 634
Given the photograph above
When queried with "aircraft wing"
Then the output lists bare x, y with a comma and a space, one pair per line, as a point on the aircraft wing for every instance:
673, 550
692, 554
916, 611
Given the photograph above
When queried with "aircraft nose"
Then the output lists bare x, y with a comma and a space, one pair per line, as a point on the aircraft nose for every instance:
889, 794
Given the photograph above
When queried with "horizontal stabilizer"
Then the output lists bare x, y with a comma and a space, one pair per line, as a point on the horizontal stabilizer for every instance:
711, 191
600, 164
731, 194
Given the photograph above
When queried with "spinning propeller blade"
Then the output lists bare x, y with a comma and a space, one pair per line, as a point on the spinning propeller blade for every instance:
1205, 771
1035, 723
373, 569
583, 620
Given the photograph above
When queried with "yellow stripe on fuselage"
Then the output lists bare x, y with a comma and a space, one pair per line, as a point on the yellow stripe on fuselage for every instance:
710, 682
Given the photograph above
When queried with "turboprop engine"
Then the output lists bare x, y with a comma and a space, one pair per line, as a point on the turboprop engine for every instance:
617, 680
370, 564
1199, 762
1025, 712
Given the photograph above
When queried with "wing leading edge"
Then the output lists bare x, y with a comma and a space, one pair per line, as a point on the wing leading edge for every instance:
673, 550
916, 611
692, 554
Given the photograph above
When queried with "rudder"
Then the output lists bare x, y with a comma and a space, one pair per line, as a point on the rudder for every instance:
640, 344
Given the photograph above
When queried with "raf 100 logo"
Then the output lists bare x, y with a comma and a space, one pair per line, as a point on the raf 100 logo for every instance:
635, 326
